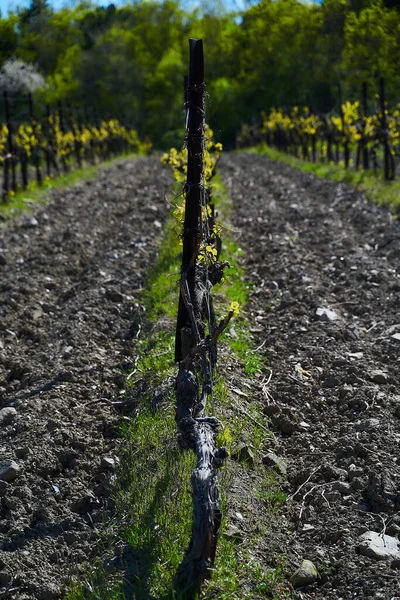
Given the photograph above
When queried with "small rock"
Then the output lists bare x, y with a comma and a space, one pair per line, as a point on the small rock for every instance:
49, 592
70, 537
114, 295
327, 315
3, 488
85, 504
157, 224
243, 454
367, 424
381, 491
286, 423
305, 574
37, 313
343, 487
9, 503
272, 460
234, 533
22, 452
330, 382
5, 579
3, 260
9, 470
29, 221
379, 376
396, 336
379, 546
7, 415
107, 463
271, 409
354, 471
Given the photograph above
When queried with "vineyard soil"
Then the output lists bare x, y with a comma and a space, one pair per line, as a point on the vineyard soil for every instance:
325, 267
71, 272
325, 307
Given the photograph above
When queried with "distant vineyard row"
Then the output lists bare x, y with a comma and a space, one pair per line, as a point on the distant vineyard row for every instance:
59, 141
351, 137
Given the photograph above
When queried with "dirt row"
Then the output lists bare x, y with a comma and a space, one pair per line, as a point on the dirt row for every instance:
324, 310
70, 276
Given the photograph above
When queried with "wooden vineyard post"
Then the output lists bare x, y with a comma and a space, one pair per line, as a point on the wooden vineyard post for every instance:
345, 143
388, 162
196, 431
36, 149
9, 158
5, 159
62, 129
76, 141
365, 113
191, 228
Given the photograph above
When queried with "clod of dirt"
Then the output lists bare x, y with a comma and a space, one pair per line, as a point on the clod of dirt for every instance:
7, 415
379, 377
243, 453
278, 463
9, 470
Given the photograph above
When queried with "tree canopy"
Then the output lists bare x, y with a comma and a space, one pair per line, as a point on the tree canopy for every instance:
130, 60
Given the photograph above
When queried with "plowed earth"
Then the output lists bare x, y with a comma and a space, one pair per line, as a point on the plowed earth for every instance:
69, 281
69, 286
334, 392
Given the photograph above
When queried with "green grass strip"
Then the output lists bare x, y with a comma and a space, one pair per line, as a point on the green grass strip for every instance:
153, 492
385, 193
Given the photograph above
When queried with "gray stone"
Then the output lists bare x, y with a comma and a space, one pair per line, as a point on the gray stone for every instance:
242, 453
29, 221
272, 460
396, 336
234, 533
305, 574
343, 487
107, 463
5, 579
330, 382
22, 452
7, 415
114, 295
9, 503
367, 424
354, 471
271, 409
3, 488
9, 470
379, 546
379, 376
325, 314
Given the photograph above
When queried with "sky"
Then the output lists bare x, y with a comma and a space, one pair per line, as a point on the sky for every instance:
7, 5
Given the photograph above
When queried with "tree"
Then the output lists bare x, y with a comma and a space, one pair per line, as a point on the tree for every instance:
16, 77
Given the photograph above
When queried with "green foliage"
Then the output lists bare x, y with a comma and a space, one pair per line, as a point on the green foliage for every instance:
130, 60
